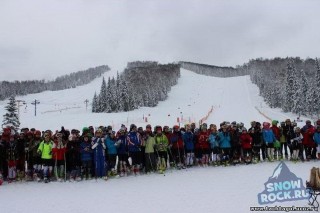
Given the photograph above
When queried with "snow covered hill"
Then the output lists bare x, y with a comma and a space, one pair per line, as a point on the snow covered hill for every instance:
213, 189
231, 99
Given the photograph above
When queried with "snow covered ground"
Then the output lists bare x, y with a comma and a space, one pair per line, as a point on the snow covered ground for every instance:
213, 189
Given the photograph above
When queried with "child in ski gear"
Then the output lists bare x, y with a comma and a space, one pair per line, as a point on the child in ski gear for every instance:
121, 145
203, 146
45, 151
309, 145
161, 149
246, 145
12, 156
98, 147
269, 139
112, 153
150, 160
214, 145
134, 144
225, 144
86, 156
236, 151
73, 156
296, 144
177, 147
188, 141
316, 138
59, 153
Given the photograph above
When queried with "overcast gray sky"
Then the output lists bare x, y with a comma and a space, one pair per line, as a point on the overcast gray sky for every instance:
44, 39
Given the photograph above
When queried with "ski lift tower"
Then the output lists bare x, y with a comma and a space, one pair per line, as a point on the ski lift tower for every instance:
19, 104
35, 102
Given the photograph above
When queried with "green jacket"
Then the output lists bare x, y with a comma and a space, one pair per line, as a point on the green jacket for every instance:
150, 143
45, 150
161, 142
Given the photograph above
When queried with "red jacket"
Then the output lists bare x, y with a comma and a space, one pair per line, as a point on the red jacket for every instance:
176, 140
307, 133
203, 140
58, 152
276, 132
245, 140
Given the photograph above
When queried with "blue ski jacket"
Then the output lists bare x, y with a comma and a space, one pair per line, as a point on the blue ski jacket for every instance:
188, 140
111, 147
122, 144
86, 151
224, 139
213, 140
268, 136
134, 142
316, 138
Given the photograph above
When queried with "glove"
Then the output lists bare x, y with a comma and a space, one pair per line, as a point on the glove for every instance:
291, 140
26, 149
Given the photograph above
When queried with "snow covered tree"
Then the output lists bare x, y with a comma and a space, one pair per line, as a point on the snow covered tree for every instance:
103, 96
290, 87
317, 89
11, 118
299, 97
94, 103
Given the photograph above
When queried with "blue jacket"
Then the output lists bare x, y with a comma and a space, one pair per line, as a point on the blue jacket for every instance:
134, 142
213, 140
111, 147
224, 139
188, 141
316, 138
122, 141
98, 147
268, 136
86, 155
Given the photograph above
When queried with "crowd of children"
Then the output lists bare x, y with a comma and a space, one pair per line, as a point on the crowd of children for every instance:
33, 155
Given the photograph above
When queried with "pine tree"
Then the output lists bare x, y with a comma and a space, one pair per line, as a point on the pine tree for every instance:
290, 87
94, 103
317, 89
124, 96
11, 118
103, 96
301, 89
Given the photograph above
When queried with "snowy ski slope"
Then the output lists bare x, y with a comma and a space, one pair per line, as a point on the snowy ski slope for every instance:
213, 189
231, 99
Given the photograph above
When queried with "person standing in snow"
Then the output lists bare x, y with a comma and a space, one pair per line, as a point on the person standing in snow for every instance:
176, 143
316, 138
161, 149
59, 153
203, 145
296, 144
309, 145
289, 133
150, 160
86, 156
73, 156
112, 153
269, 139
246, 145
188, 142
134, 144
45, 151
214, 145
99, 147
225, 144
122, 152
12, 157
